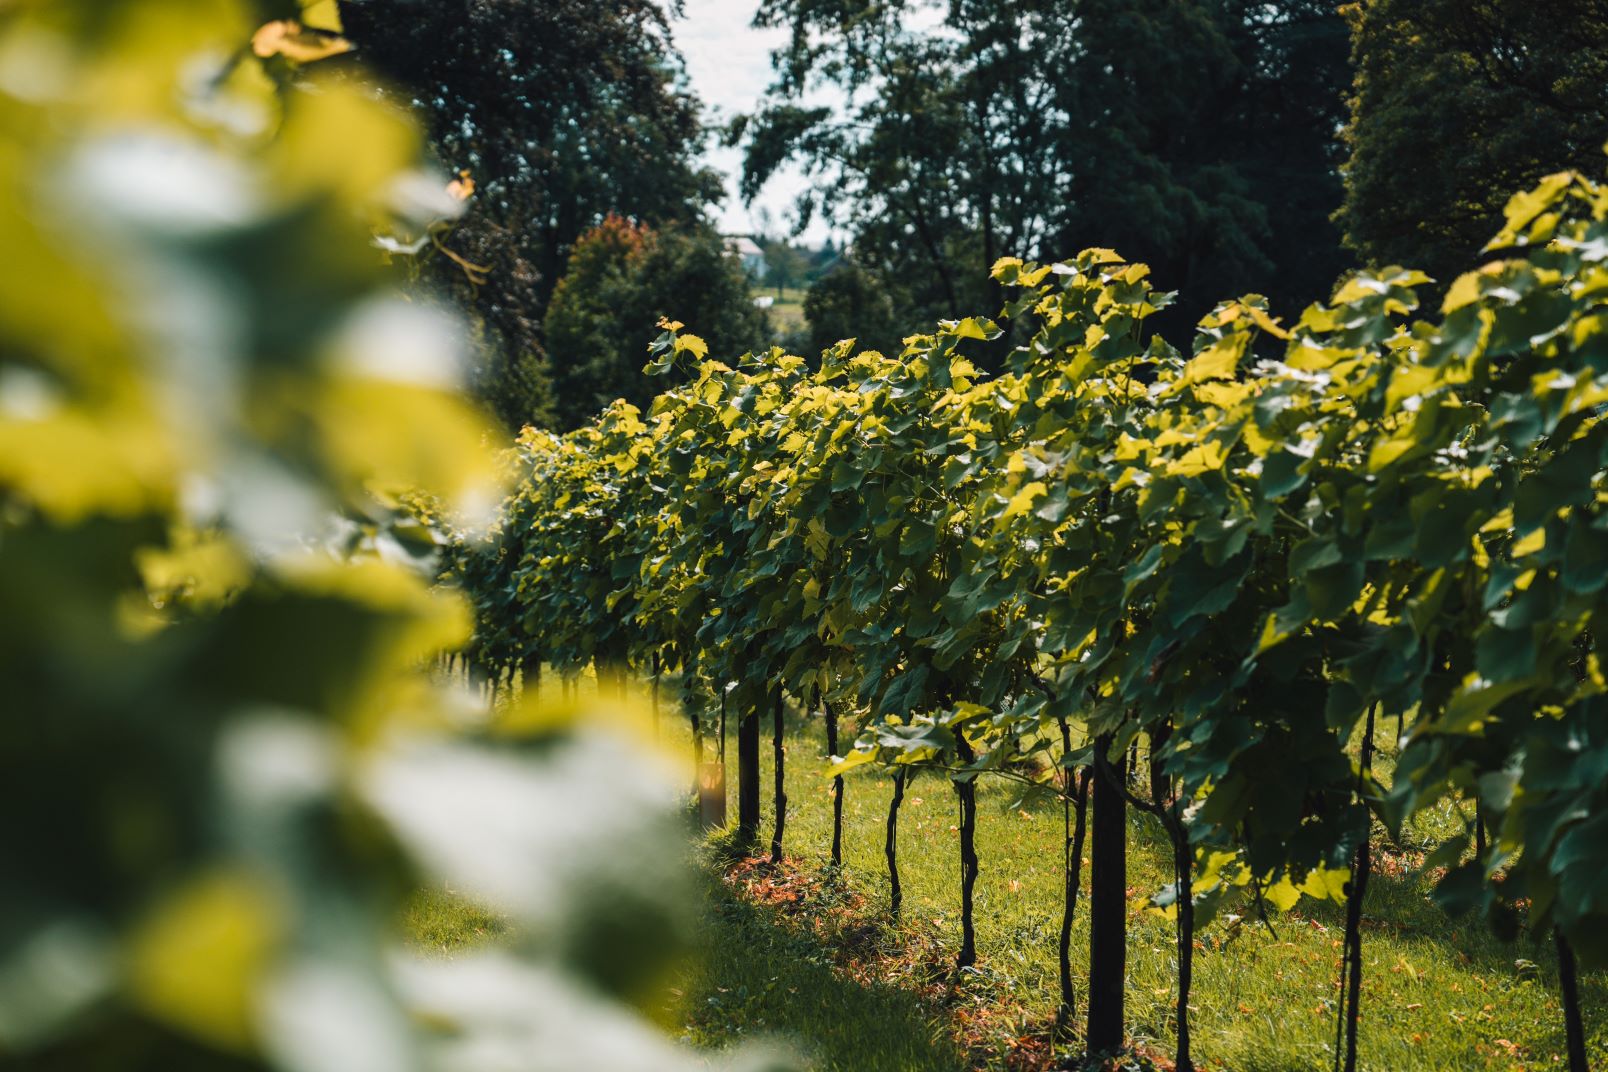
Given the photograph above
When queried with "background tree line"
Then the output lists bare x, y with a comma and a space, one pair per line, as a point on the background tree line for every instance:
1198, 136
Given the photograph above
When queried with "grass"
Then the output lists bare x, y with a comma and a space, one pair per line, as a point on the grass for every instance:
826, 968
1438, 994
757, 977
787, 312
442, 922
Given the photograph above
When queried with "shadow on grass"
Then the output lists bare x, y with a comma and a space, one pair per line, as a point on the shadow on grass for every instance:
758, 977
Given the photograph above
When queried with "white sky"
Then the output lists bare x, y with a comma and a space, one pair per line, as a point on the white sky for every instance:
728, 63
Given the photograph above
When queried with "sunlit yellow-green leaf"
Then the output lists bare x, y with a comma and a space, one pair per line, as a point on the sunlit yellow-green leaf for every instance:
1023, 500
196, 960
1218, 361
692, 344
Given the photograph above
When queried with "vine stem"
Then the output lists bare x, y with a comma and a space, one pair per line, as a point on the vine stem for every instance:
837, 781
890, 847
1072, 872
1356, 889
966, 793
780, 794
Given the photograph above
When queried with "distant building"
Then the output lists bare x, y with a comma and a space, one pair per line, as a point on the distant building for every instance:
747, 250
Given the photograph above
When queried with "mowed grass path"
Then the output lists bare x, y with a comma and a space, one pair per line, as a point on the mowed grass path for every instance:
1438, 994
753, 977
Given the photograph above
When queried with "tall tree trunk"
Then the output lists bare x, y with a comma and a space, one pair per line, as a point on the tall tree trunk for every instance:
890, 847
1356, 888
966, 792
940, 262
1108, 915
780, 754
1573, 1024
748, 777
837, 783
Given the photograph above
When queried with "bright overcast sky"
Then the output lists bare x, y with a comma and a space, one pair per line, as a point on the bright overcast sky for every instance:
729, 64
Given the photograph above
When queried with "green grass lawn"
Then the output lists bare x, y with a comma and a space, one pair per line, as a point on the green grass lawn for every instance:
754, 977
1438, 994
441, 923
787, 313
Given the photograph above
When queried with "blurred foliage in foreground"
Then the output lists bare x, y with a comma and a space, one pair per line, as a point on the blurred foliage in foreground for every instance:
224, 765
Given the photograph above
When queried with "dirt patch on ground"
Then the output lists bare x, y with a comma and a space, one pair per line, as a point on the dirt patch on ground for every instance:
992, 1027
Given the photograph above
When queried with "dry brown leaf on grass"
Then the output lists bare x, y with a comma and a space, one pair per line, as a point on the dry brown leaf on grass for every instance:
293, 41
462, 188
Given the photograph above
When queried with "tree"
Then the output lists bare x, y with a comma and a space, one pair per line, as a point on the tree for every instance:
848, 303
622, 278
785, 264
1206, 137
1455, 104
562, 111
908, 169
1182, 132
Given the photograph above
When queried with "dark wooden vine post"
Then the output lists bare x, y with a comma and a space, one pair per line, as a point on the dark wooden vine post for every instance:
837, 782
1574, 1026
780, 753
1160, 784
1108, 910
1072, 801
1356, 888
697, 747
656, 699
748, 777
966, 793
890, 847
530, 674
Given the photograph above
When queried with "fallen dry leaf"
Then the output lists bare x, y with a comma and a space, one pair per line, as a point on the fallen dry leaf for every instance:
463, 187
288, 38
